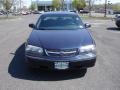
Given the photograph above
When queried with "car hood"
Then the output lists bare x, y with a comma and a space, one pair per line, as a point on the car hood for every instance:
60, 39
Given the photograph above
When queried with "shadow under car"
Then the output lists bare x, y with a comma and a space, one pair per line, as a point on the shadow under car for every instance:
19, 69
113, 28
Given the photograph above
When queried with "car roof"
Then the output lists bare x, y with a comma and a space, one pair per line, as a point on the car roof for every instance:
59, 13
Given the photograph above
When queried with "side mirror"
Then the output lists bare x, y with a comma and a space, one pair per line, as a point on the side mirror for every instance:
87, 25
31, 25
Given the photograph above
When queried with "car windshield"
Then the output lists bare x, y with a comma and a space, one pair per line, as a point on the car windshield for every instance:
59, 22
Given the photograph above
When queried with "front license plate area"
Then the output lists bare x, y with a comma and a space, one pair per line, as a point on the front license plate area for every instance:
61, 65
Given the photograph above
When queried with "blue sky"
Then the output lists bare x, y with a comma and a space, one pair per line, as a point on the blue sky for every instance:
27, 2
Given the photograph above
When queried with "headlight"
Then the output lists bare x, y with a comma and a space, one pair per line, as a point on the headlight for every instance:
34, 49
88, 49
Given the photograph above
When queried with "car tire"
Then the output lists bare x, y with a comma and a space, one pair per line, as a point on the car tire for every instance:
118, 25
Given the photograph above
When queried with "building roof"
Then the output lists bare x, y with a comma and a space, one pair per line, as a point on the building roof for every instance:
59, 13
44, 3
49, 2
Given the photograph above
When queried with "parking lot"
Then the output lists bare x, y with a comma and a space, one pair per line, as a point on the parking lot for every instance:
14, 75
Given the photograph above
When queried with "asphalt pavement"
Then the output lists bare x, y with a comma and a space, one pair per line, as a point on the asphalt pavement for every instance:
14, 75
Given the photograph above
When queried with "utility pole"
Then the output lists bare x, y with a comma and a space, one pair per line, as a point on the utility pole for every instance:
37, 4
20, 7
62, 4
31, 5
105, 8
90, 8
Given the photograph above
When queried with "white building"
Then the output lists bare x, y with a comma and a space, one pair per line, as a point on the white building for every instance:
47, 5
68, 5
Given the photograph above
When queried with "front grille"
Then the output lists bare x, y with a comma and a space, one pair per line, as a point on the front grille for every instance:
62, 53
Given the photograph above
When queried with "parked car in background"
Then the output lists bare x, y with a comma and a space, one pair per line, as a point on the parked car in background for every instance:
28, 12
116, 12
41, 12
73, 11
84, 11
16, 13
117, 21
60, 41
24, 13
1, 13
36, 12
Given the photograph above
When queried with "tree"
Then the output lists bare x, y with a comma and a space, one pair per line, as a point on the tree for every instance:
79, 4
116, 7
7, 4
33, 6
57, 4
91, 4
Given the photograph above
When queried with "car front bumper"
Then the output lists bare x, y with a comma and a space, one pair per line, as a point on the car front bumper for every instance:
49, 63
